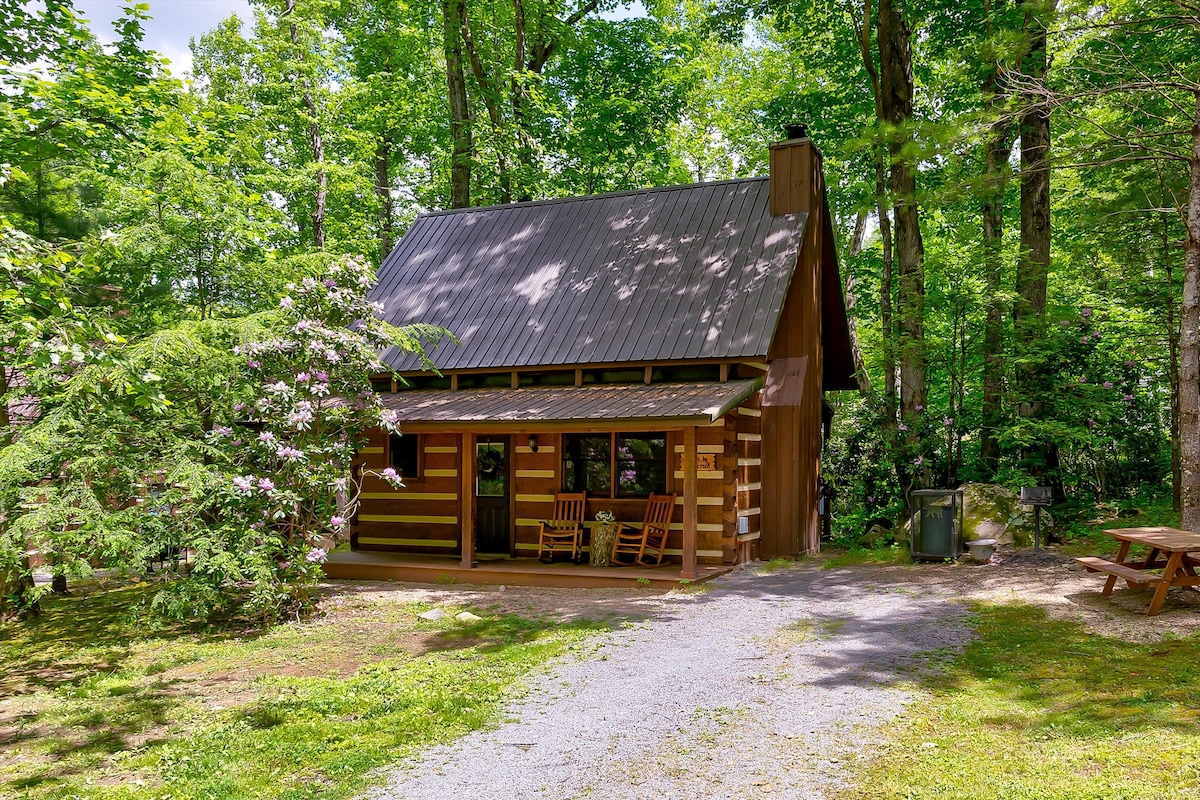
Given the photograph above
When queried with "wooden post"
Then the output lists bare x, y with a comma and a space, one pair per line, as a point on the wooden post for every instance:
689, 504
466, 505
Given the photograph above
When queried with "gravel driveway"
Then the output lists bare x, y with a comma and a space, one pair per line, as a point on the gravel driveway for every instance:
763, 685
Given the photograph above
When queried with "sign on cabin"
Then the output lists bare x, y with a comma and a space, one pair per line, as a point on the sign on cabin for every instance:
705, 462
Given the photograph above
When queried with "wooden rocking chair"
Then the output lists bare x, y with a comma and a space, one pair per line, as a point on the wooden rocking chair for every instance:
563, 533
646, 546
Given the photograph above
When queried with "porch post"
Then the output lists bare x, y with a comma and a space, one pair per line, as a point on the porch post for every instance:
689, 504
466, 498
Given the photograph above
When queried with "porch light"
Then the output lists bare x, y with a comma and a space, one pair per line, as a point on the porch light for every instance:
533, 442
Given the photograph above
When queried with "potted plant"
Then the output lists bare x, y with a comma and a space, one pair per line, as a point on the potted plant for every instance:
604, 534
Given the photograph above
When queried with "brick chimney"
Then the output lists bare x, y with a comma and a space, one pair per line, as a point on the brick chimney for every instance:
795, 172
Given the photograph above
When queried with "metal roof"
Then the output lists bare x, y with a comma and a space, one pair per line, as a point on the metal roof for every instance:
696, 403
682, 272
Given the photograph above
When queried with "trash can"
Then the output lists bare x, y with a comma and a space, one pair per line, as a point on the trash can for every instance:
936, 529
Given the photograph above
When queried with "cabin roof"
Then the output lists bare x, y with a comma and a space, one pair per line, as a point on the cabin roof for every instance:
677, 273
695, 403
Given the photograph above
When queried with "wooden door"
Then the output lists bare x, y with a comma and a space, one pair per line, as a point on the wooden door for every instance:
493, 487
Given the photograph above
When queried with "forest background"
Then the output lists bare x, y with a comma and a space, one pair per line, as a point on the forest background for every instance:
1015, 189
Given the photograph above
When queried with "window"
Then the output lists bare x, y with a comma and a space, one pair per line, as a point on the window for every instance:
587, 464
404, 455
641, 464
638, 460
381, 385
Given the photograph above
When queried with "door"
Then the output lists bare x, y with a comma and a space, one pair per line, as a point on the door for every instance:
493, 529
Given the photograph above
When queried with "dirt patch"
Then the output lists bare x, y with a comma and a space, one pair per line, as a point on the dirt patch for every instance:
1050, 581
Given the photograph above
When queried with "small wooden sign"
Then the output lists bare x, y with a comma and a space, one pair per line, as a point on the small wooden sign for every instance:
705, 462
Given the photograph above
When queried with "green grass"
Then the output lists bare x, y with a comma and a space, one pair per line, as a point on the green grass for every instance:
95, 705
1042, 709
854, 556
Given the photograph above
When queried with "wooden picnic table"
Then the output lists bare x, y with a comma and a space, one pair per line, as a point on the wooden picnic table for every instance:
1175, 552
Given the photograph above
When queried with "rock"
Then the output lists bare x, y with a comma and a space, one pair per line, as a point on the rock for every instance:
876, 536
994, 512
467, 616
432, 615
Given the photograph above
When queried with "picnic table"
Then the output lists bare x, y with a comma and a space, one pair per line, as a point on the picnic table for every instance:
1175, 552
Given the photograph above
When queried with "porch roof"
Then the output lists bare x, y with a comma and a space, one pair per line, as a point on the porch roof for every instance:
604, 405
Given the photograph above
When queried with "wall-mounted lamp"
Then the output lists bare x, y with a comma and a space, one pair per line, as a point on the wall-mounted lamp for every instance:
533, 442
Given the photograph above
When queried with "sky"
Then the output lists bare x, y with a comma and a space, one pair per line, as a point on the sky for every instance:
172, 23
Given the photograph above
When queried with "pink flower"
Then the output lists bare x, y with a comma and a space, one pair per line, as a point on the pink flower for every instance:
901, 427
1085, 312
289, 453
1128, 398
283, 565
1108, 384
1091, 423
948, 421
266, 484
286, 303
253, 364
322, 376
266, 437
336, 522
303, 377
238, 406
243, 484
1083, 340
1130, 364
1095, 334
920, 460
315, 556
919, 409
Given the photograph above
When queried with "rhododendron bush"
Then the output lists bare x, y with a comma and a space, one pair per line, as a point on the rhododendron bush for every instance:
287, 443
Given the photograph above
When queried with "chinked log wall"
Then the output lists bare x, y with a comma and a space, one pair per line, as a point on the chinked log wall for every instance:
424, 516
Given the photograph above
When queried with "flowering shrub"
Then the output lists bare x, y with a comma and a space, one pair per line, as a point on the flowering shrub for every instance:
290, 441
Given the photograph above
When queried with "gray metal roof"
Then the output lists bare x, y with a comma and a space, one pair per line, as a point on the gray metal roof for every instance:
681, 402
683, 272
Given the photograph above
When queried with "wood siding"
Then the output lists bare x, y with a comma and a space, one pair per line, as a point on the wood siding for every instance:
791, 406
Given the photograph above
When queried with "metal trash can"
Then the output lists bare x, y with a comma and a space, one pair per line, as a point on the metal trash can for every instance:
936, 529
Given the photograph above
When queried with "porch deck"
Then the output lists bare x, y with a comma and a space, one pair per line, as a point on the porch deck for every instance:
378, 566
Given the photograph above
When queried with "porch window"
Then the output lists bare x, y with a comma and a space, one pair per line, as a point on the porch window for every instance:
637, 460
404, 455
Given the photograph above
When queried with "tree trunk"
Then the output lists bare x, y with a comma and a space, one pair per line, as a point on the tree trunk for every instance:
315, 140
1172, 366
1033, 265
1189, 346
997, 150
896, 85
850, 290
491, 101
460, 115
863, 27
383, 190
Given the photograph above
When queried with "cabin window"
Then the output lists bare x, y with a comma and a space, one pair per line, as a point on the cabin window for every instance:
381, 384
587, 464
641, 464
638, 461
404, 455
690, 373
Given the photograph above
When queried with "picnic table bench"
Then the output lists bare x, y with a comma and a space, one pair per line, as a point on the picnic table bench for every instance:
1175, 552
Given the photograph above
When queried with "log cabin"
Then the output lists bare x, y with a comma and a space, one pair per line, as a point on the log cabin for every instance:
666, 340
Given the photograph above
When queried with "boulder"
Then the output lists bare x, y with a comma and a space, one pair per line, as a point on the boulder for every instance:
467, 617
432, 615
876, 536
994, 512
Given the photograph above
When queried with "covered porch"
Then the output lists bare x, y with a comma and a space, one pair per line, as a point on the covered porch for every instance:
483, 467
418, 568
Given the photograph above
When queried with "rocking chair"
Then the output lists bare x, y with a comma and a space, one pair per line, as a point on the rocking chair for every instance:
563, 533
645, 546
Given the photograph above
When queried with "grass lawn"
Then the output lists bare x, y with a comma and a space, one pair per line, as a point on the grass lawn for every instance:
1038, 709
94, 705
